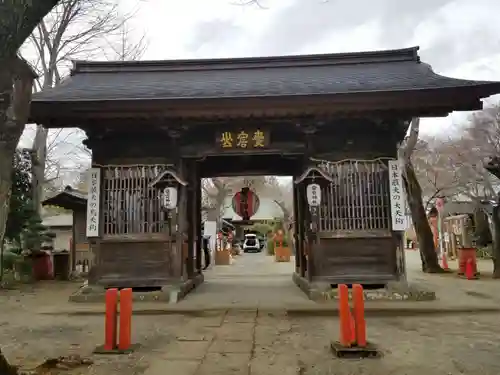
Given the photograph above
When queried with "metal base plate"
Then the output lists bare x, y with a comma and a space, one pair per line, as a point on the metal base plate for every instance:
100, 350
354, 351
475, 277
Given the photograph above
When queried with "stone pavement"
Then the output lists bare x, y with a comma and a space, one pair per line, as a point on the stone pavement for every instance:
256, 281
252, 280
252, 343
256, 343
451, 288
229, 336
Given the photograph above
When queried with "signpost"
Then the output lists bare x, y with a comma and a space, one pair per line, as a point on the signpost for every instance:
243, 139
93, 203
398, 204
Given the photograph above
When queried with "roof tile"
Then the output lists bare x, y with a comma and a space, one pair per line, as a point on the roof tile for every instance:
393, 70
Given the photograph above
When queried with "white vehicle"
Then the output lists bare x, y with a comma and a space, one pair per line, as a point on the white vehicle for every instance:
251, 244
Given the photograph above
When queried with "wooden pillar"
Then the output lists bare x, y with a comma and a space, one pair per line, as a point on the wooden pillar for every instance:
73, 241
400, 256
302, 230
178, 258
296, 236
197, 218
311, 238
190, 222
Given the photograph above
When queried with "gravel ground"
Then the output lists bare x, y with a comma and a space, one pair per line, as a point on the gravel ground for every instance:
249, 343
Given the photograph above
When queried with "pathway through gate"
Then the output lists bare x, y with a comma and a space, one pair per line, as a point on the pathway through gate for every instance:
253, 280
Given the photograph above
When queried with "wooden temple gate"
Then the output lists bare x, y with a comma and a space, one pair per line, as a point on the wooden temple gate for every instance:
159, 127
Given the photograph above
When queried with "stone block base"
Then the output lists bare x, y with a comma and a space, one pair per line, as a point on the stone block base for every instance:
96, 294
393, 291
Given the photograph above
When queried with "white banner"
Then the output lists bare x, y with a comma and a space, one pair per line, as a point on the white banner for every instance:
398, 202
93, 202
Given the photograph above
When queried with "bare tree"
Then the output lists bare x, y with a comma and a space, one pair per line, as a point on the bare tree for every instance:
74, 29
257, 3
282, 195
476, 142
436, 176
19, 18
475, 157
128, 45
414, 194
14, 112
216, 191
493, 166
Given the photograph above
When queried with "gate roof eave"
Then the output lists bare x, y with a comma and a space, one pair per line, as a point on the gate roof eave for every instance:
228, 87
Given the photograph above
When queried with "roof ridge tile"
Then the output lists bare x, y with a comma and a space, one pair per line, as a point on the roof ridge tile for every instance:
344, 58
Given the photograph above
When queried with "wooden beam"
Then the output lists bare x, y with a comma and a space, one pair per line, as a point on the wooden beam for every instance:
439, 102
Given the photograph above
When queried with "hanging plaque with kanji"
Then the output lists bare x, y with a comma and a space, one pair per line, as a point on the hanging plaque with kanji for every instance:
243, 139
397, 198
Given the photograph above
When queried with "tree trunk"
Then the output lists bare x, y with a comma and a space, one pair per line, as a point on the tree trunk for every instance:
6, 159
422, 228
5, 367
482, 230
19, 19
15, 83
495, 218
39, 158
286, 220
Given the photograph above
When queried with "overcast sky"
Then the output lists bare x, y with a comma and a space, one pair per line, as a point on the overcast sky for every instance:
458, 38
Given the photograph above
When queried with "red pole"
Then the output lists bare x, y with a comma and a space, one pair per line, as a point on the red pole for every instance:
352, 329
124, 341
359, 314
344, 316
469, 269
111, 299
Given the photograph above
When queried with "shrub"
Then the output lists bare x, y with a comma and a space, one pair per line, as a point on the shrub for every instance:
485, 252
270, 247
271, 243
263, 229
278, 225
9, 260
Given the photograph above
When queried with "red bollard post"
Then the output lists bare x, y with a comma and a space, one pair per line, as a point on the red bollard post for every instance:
344, 316
359, 315
352, 329
352, 341
124, 341
469, 269
444, 261
110, 319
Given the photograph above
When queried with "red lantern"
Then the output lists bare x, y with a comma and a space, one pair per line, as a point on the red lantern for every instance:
245, 203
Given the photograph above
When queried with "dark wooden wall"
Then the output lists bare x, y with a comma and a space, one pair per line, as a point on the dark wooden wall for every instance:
352, 255
154, 260
81, 251
134, 259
